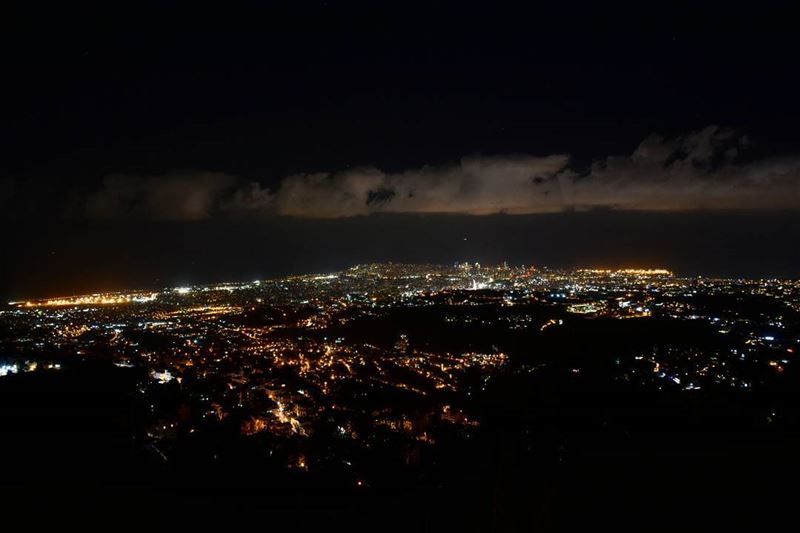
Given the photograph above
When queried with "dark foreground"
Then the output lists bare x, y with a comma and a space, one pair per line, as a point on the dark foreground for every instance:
554, 453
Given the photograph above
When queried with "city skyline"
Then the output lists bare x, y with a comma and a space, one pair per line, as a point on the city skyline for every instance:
148, 294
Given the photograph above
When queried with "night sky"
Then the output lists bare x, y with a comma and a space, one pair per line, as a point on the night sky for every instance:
171, 143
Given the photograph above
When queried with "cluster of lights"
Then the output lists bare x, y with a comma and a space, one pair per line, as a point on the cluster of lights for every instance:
286, 375
630, 271
92, 299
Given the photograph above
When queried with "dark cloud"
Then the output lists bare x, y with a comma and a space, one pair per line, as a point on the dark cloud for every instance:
187, 196
695, 171
476, 185
701, 170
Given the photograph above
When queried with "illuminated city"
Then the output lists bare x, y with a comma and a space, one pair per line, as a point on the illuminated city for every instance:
328, 372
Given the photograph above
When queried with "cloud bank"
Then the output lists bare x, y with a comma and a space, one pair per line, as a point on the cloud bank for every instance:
706, 169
